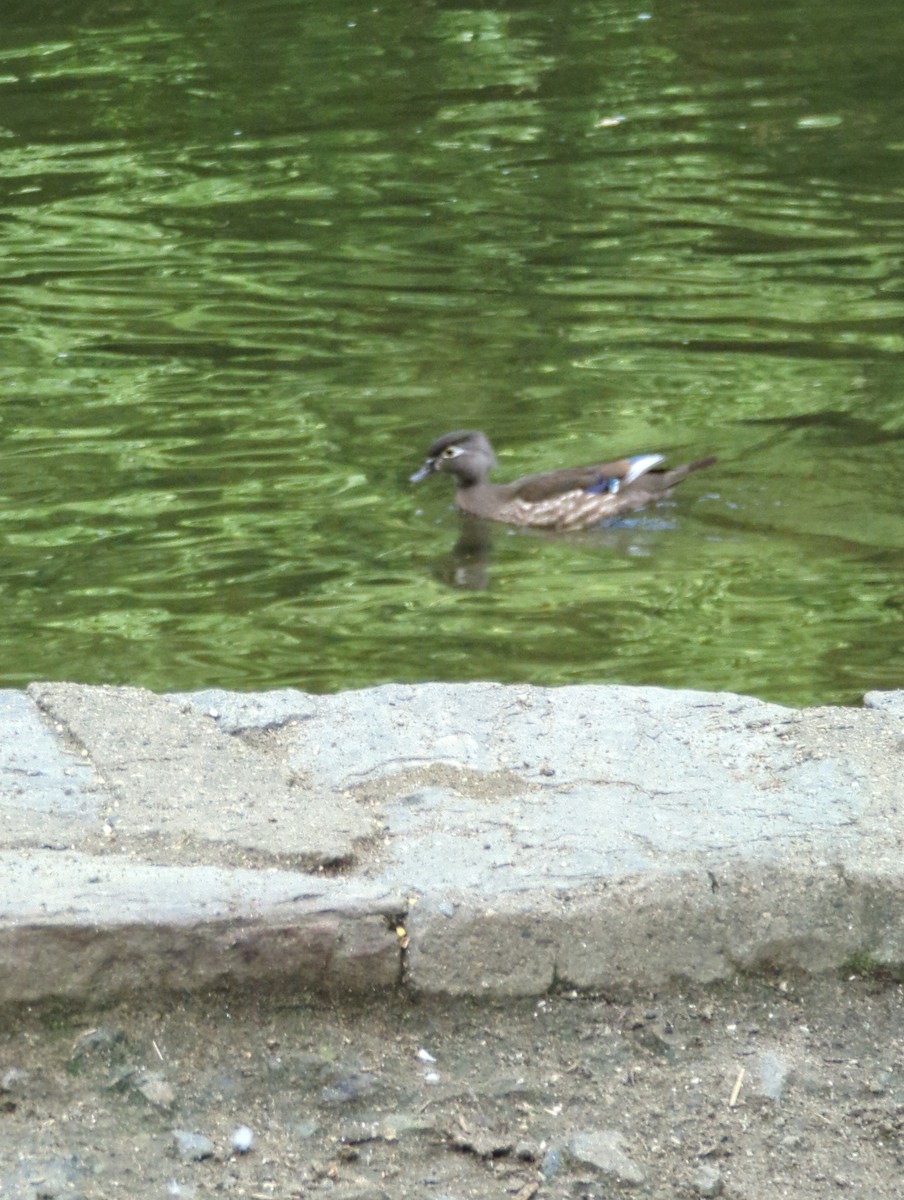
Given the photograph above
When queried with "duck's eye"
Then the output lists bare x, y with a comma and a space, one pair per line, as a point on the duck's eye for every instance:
451, 452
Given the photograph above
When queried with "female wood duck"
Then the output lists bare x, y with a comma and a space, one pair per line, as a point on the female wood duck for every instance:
571, 498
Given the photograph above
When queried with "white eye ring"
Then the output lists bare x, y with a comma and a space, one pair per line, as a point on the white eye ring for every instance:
452, 452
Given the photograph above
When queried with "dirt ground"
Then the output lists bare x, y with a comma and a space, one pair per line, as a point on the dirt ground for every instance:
763, 1089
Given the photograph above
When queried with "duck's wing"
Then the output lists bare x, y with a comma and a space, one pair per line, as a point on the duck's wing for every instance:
596, 479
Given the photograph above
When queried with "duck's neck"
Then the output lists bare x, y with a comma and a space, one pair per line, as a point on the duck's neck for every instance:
478, 497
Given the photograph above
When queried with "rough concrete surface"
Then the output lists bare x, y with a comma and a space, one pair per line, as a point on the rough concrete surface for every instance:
464, 839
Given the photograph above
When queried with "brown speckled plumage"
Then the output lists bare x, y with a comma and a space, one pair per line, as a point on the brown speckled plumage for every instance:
571, 498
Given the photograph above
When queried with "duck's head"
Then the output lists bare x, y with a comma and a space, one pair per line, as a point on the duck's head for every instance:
467, 455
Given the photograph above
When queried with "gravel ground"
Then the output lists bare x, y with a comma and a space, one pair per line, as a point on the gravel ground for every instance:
761, 1089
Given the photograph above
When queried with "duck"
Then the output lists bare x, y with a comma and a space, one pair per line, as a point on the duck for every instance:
570, 498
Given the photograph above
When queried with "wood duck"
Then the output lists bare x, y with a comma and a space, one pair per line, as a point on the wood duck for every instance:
571, 498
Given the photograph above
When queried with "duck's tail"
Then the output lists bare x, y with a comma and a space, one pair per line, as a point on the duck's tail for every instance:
670, 478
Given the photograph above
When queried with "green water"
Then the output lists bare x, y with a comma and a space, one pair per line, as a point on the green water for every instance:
258, 255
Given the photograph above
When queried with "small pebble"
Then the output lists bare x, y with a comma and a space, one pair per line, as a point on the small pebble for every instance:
348, 1087
157, 1091
12, 1080
242, 1139
707, 1181
774, 1073
192, 1147
605, 1151
549, 1167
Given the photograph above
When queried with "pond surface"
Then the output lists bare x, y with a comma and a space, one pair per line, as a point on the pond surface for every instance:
258, 255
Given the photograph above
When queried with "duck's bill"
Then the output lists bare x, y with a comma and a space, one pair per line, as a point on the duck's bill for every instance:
426, 469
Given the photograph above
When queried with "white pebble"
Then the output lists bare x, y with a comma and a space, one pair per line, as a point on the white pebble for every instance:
242, 1139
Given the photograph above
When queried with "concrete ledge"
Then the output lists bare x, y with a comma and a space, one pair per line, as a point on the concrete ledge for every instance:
641, 932
93, 930
462, 839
